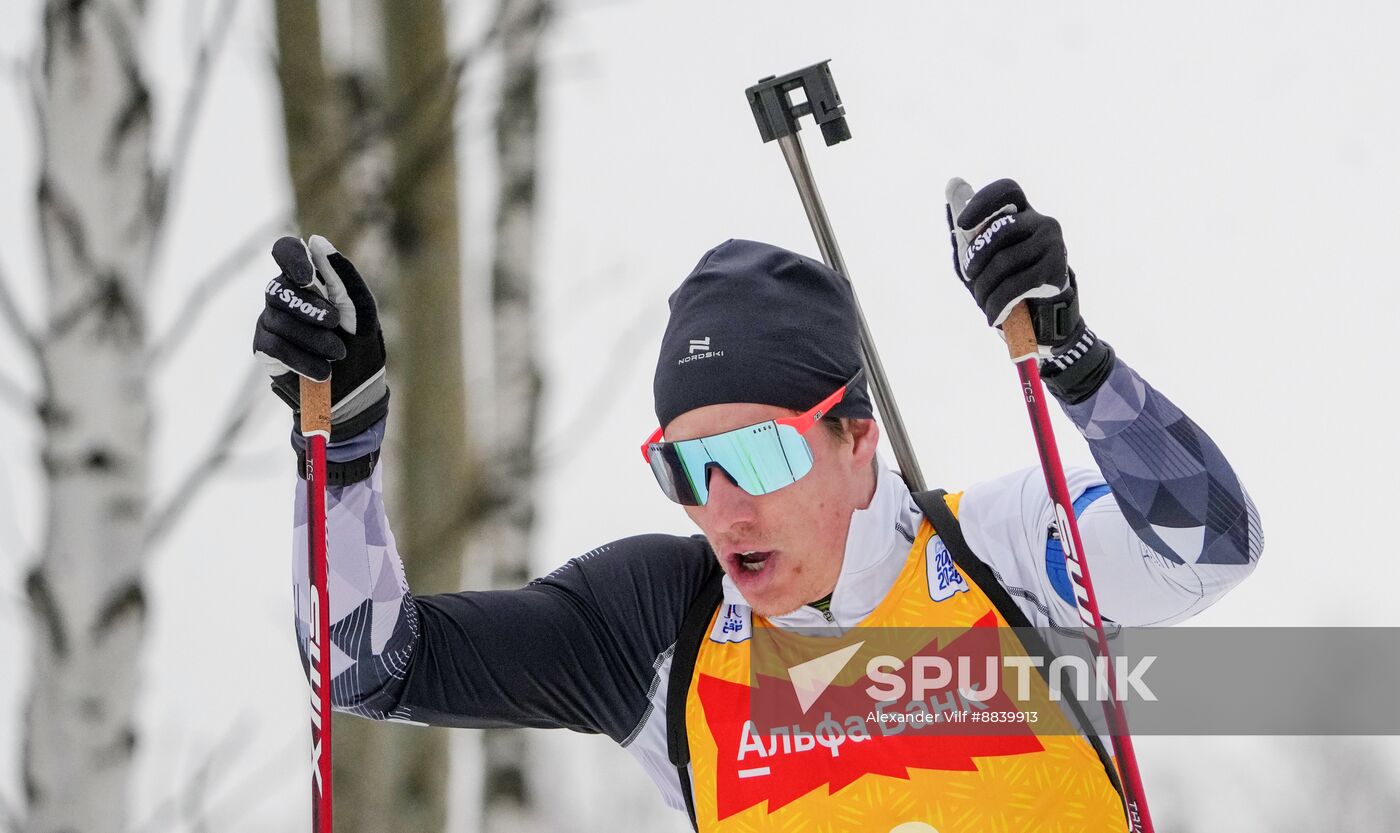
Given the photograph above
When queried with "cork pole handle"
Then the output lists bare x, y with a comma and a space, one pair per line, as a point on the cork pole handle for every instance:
315, 407
1020, 335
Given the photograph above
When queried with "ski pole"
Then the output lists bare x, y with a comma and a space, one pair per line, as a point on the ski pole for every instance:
773, 108
1021, 343
316, 428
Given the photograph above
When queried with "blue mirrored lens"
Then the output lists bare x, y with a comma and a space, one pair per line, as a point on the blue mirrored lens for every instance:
759, 458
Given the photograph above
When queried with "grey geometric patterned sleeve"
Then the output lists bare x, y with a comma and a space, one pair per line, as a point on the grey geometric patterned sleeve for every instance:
374, 622
576, 649
1172, 483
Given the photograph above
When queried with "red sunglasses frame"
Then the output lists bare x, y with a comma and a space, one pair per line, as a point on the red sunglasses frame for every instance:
802, 422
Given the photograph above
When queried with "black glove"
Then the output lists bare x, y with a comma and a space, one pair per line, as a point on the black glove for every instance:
1006, 252
319, 316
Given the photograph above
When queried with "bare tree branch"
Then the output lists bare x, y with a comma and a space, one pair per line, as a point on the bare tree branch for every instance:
576, 7
89, 303
203, 290
9, 310
601, 290
195, 796
34, 346
256, 464
192, 26
188, 119
185, 807
241, 409
14, 395
36, 100
589, 414
244, 794
11, 392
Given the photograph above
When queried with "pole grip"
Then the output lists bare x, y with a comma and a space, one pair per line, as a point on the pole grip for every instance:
1020, 334
315, 407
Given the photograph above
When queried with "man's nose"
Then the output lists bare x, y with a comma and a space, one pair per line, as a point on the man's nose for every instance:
727, 504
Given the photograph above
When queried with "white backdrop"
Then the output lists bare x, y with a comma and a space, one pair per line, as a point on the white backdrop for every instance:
1224, 177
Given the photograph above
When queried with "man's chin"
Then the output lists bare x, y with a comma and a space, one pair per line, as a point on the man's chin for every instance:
773, 607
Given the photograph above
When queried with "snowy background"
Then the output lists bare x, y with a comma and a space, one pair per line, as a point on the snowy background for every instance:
1225, 175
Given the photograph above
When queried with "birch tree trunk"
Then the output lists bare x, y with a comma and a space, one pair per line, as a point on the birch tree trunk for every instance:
384, 107
96, 201
504, 533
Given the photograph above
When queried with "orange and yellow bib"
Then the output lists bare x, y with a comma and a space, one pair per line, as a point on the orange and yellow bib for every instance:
745, 781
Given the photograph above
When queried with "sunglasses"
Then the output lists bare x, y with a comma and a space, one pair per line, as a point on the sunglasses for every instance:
758, 458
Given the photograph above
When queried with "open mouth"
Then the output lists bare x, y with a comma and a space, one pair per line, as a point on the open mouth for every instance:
753, 561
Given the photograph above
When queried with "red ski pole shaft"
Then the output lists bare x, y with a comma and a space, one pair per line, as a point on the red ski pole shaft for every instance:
316, 428
1021, 342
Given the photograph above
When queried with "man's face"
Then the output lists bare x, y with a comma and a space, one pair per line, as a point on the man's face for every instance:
783, 549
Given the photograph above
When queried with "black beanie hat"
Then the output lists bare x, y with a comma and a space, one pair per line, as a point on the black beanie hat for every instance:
756, 323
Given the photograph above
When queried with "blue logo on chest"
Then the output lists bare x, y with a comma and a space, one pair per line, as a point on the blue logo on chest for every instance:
944, 579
